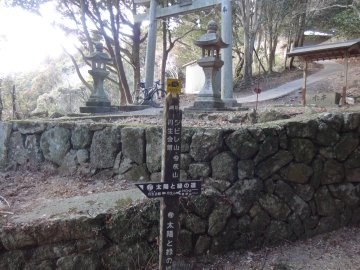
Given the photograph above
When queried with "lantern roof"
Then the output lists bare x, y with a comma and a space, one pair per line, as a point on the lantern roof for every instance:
99, 55
211, 39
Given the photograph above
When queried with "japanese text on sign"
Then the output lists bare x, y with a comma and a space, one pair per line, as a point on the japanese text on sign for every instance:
173, 145
166, 189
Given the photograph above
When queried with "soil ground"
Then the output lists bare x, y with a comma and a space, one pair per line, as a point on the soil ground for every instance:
337, 250
340, 250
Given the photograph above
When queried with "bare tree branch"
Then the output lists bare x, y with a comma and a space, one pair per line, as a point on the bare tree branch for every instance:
77, 69
331, 6
84, 25
4, 201
112, 80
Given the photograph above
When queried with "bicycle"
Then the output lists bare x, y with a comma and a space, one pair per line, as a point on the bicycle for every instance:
153, 96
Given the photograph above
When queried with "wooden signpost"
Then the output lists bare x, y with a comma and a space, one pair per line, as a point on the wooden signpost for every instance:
170, 188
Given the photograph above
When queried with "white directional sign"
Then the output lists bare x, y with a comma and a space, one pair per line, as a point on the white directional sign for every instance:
166, 189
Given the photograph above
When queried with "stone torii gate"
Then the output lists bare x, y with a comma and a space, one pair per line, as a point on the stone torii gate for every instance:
188, 6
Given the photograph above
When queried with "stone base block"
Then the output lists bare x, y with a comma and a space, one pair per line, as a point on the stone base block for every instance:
211, 104
231, 102
98, 103
208, 104
99, 109
208, 109
131, 108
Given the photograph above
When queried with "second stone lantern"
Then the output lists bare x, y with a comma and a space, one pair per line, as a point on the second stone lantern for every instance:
98, 101
210, 95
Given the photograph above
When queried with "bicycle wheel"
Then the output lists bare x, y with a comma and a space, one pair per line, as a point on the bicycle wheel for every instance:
139, 98
157, 98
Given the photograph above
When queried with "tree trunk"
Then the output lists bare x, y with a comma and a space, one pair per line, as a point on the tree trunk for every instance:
258, 47
1, 102
248, 58
288, 47
167, 47
266, 51
250, 19
83, 10
135, 52
125, 95
260, 65
136, 56
238, 69
272, 51
270, 56
85, 28
164, 48
299, 39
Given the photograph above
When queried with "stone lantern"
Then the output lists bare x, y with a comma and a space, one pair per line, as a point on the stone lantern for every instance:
210, 95
98, 101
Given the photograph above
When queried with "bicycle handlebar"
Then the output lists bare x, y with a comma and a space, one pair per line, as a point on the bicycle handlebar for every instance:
156, 83
141, 84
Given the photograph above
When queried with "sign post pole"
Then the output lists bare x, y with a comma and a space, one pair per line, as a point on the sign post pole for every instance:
170, 188
169, 206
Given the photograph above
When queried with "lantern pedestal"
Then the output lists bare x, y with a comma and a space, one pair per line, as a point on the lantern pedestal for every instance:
209, 96
98, 101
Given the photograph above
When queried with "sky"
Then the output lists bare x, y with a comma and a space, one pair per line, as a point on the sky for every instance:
26, 40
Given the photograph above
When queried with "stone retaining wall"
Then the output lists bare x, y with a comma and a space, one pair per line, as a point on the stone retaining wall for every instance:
264, 183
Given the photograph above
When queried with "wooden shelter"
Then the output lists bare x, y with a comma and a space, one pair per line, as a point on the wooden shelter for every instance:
336, 50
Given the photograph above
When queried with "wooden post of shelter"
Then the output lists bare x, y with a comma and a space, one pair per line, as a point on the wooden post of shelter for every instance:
303, 92
343, 95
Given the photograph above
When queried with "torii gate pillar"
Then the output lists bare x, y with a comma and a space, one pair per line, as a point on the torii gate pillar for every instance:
151, 46
227, 89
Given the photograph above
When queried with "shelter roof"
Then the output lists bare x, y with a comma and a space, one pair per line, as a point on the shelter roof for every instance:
327, 51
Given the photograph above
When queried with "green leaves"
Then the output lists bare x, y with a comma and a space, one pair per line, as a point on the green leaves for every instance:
347, 24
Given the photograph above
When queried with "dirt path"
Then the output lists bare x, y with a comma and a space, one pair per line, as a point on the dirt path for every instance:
338, 250
329, 69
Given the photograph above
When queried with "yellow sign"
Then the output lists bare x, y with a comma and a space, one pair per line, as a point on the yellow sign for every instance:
173, 86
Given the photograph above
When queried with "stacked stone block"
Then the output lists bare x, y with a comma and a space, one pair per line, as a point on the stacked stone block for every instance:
262, 184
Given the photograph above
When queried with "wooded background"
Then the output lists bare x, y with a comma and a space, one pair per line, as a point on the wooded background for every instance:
262, 29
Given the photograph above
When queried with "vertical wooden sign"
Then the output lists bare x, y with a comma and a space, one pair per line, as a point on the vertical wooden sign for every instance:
170, 188
169, 206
